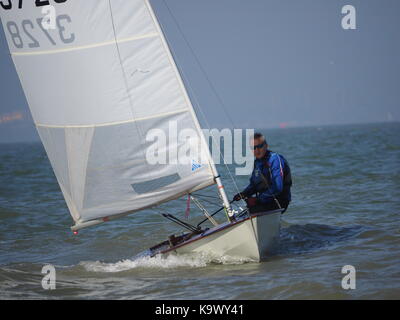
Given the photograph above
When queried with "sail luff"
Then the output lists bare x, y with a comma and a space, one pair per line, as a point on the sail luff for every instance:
217, 178
182, 86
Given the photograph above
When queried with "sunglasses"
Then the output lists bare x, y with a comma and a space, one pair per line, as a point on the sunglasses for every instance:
259, 146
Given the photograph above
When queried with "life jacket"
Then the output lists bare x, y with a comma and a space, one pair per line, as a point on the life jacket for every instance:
287, 179
263, 180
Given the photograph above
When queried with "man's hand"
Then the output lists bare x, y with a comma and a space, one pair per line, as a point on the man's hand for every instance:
238, 196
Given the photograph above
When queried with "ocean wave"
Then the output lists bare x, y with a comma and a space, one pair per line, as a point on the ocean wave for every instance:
194, 260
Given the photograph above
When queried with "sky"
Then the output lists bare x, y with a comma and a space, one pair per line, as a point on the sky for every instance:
265, 64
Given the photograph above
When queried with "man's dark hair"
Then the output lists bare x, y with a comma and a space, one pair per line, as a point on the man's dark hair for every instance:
259, 135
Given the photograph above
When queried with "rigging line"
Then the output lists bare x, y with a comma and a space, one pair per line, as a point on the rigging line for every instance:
200, 65
205, 212
161, 207
209, 202
212, 197
206, 196
194, 94
208, 125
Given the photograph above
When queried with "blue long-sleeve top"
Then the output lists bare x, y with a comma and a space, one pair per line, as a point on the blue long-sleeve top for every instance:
275, 178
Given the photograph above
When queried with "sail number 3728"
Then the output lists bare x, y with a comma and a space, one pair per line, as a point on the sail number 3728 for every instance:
8, 4
23, 34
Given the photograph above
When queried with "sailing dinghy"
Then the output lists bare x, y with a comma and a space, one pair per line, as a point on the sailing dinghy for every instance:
250, 237
98, 76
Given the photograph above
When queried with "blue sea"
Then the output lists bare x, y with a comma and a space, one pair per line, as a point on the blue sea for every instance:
345, 210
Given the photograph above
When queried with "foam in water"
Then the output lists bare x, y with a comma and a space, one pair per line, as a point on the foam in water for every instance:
163, 262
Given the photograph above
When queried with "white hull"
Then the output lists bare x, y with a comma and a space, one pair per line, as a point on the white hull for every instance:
248, 238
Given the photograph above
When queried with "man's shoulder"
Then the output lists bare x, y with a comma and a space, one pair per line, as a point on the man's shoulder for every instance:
274, 156
277, 159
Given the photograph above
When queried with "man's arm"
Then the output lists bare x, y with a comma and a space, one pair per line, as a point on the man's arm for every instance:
249, 190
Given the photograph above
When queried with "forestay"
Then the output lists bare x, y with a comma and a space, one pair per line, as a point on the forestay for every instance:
96, 84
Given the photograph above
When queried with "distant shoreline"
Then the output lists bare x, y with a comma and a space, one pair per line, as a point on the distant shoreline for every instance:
331, 125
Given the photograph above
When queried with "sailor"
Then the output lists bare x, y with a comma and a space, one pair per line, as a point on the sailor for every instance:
270, 180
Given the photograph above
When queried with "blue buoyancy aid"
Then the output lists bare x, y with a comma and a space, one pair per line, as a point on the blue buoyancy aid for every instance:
271, 178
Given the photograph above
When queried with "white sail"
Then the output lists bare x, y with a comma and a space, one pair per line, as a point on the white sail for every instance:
96, 85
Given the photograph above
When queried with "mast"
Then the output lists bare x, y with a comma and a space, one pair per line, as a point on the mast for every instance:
217, 178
